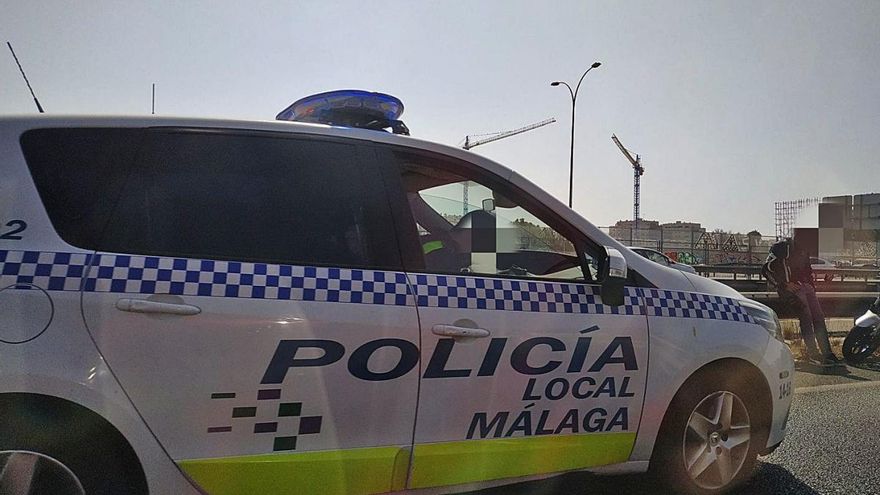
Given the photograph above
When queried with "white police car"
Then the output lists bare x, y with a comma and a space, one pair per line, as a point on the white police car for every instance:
227, 307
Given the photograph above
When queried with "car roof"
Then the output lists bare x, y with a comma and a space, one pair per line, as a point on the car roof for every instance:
24, 122
38, 121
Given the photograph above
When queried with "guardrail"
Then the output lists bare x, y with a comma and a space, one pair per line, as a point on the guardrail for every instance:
842, 292
750, 271
834, 304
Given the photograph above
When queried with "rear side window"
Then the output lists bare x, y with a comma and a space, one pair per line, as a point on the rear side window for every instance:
221, 195
79, 174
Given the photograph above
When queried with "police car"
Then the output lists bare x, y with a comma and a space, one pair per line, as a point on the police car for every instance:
230, 307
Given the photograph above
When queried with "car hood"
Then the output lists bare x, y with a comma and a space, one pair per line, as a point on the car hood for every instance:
668, 278
684, 268
708, 286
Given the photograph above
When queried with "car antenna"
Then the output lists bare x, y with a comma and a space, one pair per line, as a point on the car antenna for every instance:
39, 107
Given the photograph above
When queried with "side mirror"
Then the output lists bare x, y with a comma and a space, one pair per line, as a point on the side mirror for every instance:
489, 204
613, 285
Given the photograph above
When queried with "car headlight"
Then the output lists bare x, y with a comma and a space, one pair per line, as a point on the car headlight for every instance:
765, 317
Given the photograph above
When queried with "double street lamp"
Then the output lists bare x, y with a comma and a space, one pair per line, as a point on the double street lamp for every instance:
574, 94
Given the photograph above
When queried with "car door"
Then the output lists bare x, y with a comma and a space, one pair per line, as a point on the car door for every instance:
524, 369
249, 301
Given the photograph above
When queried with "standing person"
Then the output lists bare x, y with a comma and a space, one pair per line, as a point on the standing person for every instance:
788, 269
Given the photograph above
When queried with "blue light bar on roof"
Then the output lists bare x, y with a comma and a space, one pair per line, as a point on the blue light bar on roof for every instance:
347, 107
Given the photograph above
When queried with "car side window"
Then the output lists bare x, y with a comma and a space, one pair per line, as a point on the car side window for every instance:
658, 258
79, 174
267, 198
467, 225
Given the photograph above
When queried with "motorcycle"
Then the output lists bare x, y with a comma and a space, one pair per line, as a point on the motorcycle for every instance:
864, 338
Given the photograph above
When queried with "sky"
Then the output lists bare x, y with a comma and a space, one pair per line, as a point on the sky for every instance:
731, 105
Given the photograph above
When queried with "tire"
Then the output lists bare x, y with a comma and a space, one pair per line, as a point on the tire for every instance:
26, 473
75, 438
703, 450
860, 343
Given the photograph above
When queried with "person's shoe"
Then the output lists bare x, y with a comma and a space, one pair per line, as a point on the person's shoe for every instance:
814, 356
833, 360
815, 360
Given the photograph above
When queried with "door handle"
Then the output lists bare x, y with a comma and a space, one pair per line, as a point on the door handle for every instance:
454, 331
147, 306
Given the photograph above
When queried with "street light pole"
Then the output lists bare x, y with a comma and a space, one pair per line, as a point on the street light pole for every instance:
574, 94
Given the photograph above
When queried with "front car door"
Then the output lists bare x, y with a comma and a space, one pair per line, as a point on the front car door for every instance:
249, 301
524, 369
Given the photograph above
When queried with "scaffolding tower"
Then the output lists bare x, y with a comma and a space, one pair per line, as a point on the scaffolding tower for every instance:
787, 214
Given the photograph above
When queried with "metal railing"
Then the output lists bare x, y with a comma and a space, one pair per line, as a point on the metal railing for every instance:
696, 247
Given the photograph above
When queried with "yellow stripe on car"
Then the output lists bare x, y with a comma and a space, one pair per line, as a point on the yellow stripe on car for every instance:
452, 463
383, 469
353, 472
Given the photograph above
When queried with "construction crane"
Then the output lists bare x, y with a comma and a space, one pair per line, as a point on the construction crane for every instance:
488, 138
638, 171
495, 136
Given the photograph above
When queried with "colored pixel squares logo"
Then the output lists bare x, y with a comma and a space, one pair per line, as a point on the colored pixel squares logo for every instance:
284, 439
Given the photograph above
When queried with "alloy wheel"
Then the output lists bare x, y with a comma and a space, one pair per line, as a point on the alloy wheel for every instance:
716, 440
30, 473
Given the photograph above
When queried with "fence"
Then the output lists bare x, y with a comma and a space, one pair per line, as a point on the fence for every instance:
696, 247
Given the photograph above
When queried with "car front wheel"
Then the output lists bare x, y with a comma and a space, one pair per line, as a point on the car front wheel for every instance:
710, 438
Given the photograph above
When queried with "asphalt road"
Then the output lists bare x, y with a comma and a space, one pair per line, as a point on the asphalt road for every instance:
832, 446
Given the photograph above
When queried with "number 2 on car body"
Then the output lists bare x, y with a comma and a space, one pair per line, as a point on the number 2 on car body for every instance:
17, 227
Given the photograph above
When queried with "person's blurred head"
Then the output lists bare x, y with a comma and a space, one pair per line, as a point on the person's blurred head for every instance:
805, 240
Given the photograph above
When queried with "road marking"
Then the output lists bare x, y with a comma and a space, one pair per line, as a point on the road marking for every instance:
836, 386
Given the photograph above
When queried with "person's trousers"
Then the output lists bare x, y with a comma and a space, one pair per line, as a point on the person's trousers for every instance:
812, 320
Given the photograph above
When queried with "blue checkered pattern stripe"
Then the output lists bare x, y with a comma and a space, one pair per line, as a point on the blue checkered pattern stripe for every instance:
51, 271
191, 277
451, 291
677, 304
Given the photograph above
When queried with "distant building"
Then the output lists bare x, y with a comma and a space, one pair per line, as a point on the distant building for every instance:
651, 233
860, 212
682, 232
625, 231
691, 243
849, 228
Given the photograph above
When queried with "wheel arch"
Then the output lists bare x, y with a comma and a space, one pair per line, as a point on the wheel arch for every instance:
746, 371
61, 428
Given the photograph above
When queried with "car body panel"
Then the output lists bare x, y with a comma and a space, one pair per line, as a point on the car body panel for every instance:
555, 388
61, 360
212, 369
